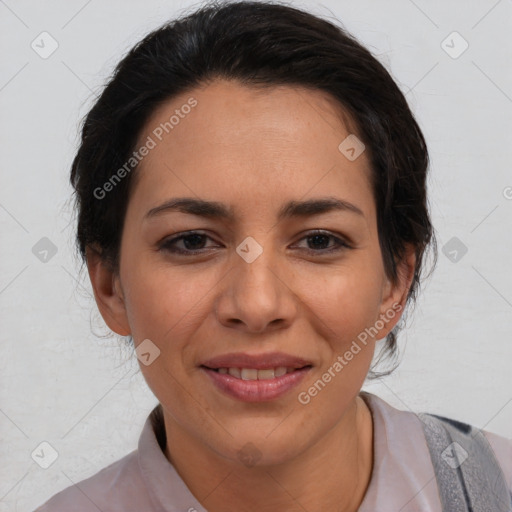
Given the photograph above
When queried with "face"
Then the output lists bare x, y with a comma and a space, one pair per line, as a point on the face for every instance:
284, 270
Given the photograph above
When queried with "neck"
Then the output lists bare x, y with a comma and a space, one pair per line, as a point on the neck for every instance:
332, 474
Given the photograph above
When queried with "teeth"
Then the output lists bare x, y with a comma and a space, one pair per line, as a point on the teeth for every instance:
265, 374
255, 374
235, 372
249, 374
281, 370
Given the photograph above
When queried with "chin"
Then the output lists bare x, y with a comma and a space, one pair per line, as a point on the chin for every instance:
257, 450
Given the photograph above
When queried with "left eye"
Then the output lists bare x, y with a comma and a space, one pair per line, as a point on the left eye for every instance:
194, 243
320, 240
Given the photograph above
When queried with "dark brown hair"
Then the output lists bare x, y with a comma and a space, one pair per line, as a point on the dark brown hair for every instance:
258, 44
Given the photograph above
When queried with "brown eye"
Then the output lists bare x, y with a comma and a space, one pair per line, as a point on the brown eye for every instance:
188, 243
193, 243
324, 242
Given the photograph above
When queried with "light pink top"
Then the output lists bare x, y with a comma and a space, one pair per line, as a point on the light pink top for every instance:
145, 481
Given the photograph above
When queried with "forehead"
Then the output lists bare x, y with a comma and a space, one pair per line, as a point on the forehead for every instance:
251, 145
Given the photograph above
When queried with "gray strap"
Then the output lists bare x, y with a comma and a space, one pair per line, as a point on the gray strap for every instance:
468, 475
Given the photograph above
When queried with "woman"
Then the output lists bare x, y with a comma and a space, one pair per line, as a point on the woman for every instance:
251, 191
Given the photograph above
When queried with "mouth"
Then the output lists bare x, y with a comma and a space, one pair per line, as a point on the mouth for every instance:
255, 373
256, 378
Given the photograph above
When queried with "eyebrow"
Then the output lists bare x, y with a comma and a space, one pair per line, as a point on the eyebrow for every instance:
216, 210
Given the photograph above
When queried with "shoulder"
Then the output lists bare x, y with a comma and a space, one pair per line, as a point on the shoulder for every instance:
112, 488
502, 448
395, 421
496, 446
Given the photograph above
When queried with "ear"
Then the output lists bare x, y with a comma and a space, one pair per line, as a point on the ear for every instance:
107, 292
394, 295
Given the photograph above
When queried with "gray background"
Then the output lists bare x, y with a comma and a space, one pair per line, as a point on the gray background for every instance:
62, 383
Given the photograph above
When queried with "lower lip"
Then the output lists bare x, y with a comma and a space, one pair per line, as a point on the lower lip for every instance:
256, 390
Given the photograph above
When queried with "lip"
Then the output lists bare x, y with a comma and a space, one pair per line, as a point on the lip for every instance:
257, 361
256, 390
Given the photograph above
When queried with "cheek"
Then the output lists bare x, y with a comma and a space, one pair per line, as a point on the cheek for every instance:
346, 301
165, 303
167, 306
161, 302
346, 304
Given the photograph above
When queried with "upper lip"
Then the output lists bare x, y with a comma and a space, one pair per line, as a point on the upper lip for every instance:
257, 361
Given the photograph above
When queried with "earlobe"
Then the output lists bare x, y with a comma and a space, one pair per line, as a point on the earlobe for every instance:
395, 294
107, 292
406, 269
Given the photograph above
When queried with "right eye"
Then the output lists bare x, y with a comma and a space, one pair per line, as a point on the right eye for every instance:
191, 242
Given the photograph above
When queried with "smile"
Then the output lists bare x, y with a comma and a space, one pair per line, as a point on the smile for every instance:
254, 373
256, 385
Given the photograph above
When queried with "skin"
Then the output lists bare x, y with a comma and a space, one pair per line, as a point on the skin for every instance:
253, 151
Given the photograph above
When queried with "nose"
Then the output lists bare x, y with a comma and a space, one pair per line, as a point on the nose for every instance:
257, 296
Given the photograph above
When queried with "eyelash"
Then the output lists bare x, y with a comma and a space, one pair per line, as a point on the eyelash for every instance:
168, 244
